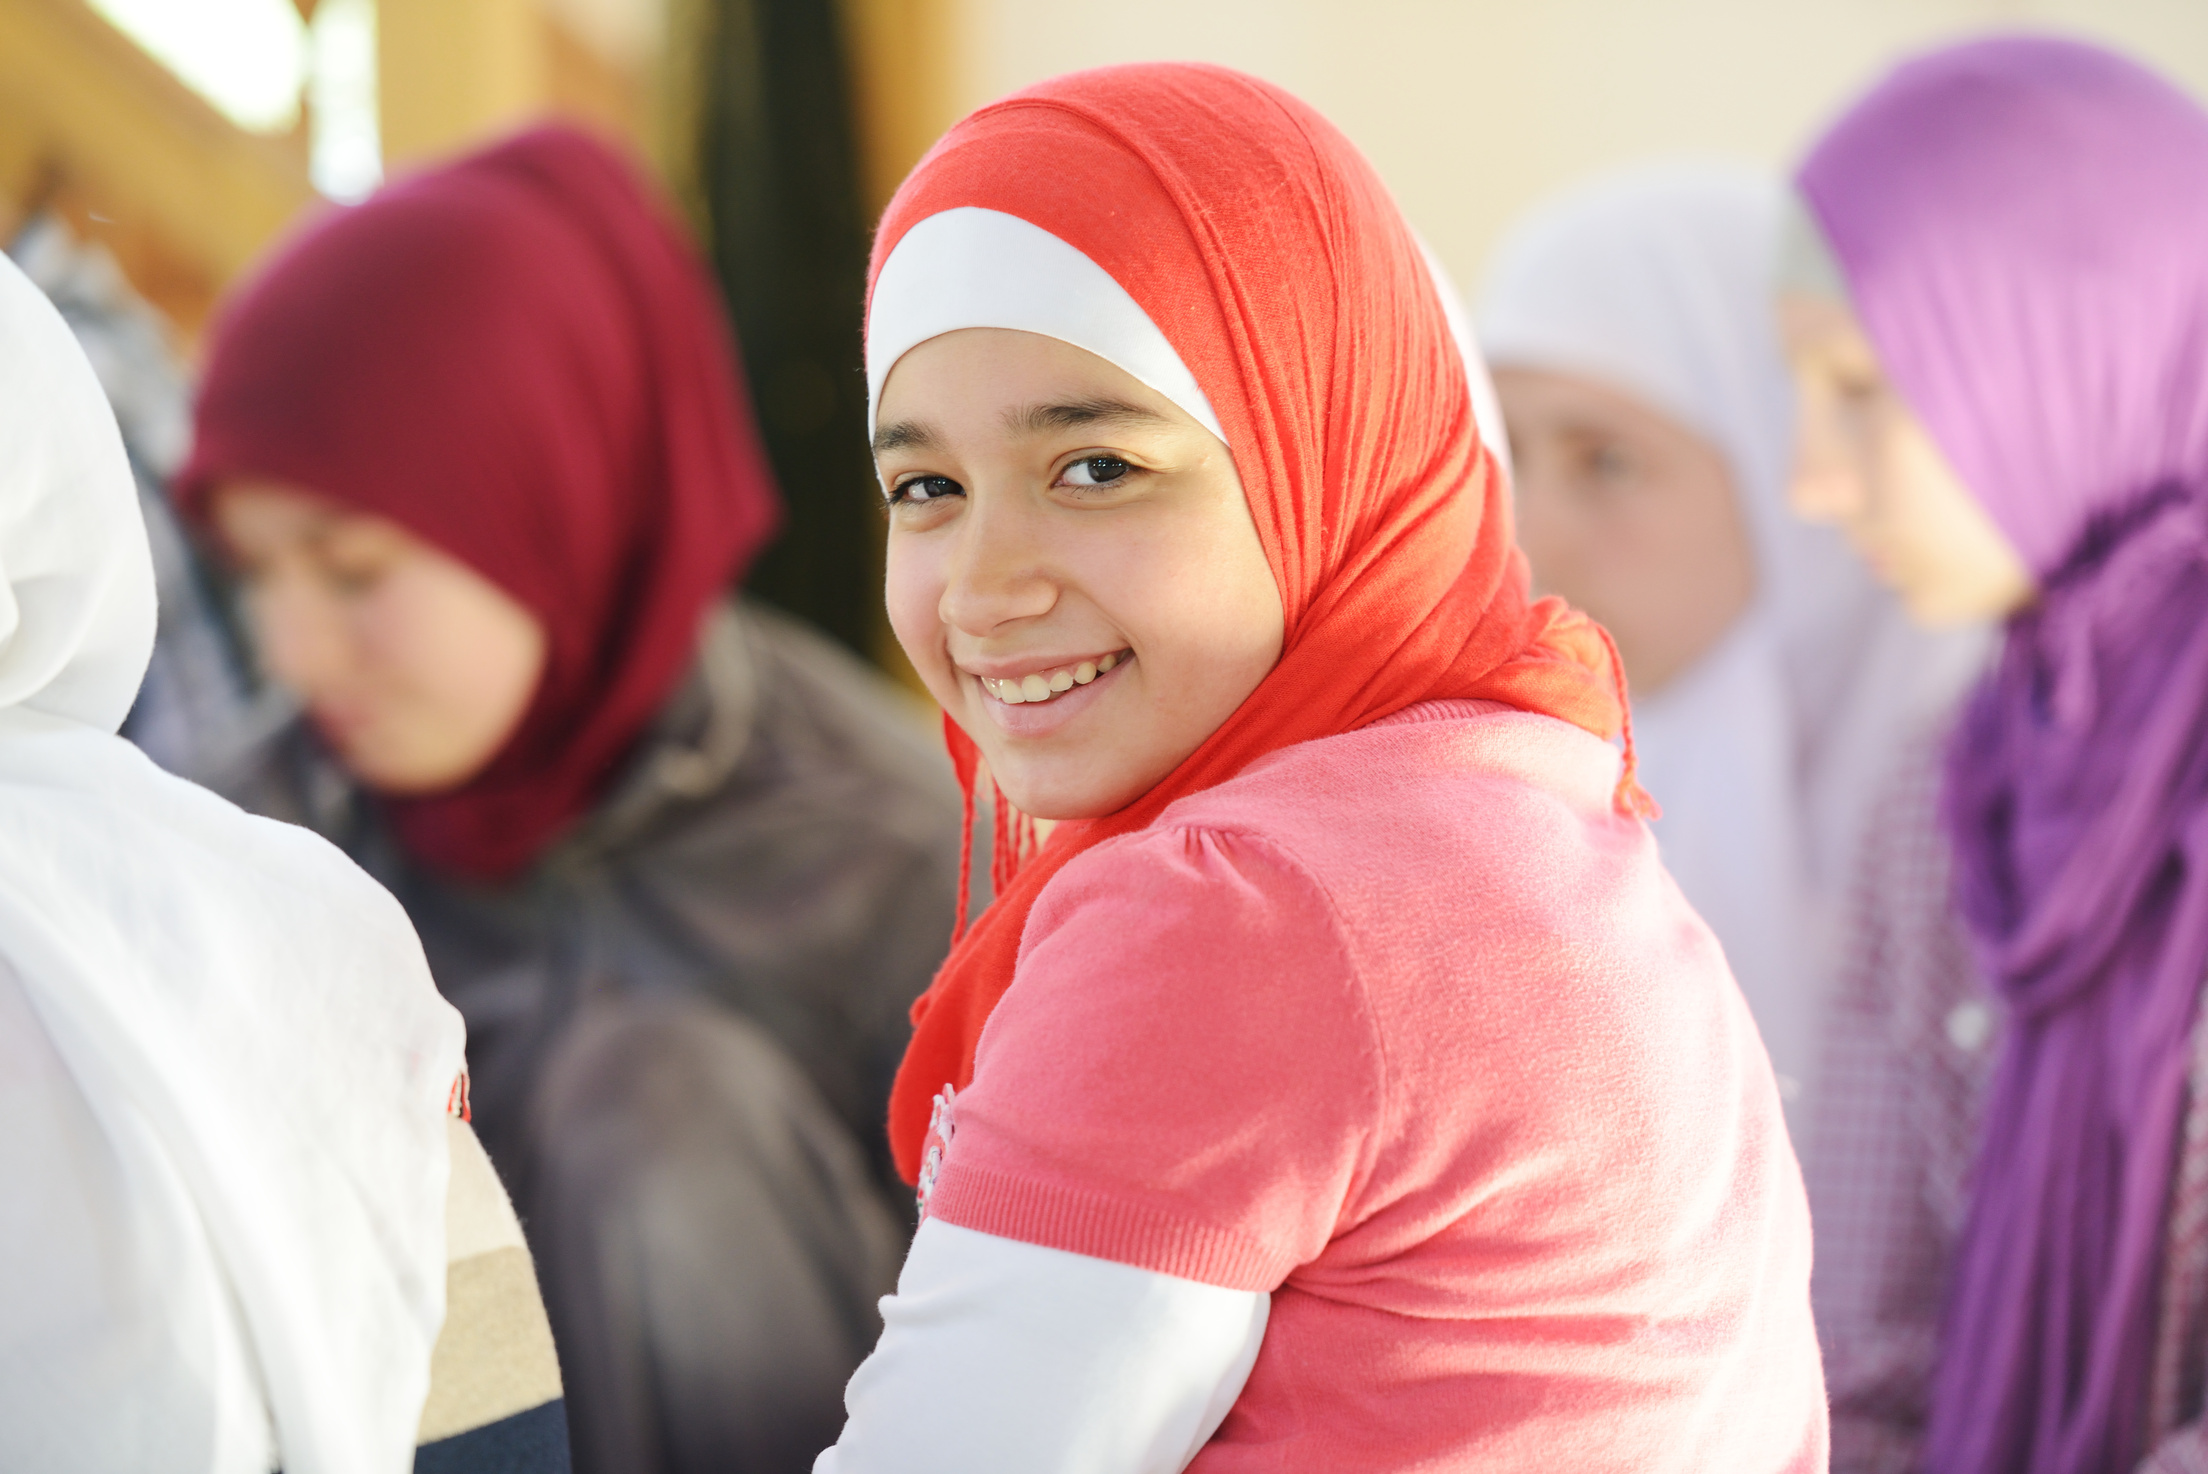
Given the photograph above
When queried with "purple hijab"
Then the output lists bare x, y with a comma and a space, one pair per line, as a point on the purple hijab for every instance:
2023, 225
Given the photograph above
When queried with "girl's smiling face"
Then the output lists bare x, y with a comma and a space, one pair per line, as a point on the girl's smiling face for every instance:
1073, 568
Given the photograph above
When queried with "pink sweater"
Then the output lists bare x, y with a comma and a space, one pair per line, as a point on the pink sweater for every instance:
1409, 1028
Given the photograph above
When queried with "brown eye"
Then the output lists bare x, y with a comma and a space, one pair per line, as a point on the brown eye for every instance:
353, 577
1610, 463
923, 489
1097, 471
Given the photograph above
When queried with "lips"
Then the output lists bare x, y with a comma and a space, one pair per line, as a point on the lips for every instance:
339, 723
1003, 700
1038, 686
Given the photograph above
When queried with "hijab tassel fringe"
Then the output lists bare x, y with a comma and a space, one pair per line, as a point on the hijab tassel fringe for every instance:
1630, 798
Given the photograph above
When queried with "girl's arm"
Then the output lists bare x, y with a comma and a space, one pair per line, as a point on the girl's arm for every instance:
997, 1354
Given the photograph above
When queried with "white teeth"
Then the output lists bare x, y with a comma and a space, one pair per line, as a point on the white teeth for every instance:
1042, 685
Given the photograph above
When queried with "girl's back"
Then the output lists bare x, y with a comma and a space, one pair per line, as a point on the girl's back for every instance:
1411, 1024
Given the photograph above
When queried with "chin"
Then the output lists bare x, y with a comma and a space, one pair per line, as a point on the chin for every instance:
398, 784
399, 775
1936, 609
392, 755
1041, 793
1053, 801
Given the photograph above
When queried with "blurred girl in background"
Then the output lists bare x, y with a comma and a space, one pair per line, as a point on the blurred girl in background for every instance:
480, 452
1999, 316
1634, 345
1343, 1073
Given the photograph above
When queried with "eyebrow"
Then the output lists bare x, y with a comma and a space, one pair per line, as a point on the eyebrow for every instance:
1038, 419
1034, 419
904, 435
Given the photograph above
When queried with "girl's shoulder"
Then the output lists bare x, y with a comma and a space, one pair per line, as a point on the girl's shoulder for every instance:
1435, 750
1452, 798
1456, 840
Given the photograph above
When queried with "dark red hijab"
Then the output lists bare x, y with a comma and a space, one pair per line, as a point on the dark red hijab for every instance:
519, 358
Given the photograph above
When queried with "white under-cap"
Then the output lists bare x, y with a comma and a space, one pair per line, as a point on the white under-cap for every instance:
977, 268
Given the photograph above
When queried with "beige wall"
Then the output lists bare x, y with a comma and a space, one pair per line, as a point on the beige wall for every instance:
1473, 109
453, 72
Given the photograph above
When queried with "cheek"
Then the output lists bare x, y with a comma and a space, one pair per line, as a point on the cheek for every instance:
1551, 536
463, 652
1695, 515
1568, 550
1613, 562
1196, 600
304, 637
1832, 472
913, 582
1628, 534
393, 628
1905, 506
1603, 547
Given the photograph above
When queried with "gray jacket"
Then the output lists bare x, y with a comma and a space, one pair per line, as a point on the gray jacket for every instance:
784, 842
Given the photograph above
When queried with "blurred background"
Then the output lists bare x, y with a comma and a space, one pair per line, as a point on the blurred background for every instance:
182, 136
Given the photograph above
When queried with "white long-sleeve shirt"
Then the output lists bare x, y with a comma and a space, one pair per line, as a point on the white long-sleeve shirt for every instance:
997, 1354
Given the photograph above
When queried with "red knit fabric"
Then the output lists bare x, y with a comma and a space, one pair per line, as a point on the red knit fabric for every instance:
518, 358
1270, 255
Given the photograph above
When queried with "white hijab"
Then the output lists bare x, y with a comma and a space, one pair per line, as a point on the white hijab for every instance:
1766, 754
223, 1066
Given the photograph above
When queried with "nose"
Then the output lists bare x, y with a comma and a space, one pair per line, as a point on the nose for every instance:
1825, 487
297, 625
997, 574
1821, 493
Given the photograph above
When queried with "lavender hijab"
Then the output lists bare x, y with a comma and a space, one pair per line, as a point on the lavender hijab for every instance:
2023, 225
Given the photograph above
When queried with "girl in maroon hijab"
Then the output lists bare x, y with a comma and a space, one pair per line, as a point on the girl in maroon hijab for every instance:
479, 450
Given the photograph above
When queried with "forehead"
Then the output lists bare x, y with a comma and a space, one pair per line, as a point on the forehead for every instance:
264, 516
270, 504
997, 356
1012, 383
1553, 400
1813, 323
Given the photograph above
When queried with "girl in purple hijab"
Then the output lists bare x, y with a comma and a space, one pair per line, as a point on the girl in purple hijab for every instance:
2006, 405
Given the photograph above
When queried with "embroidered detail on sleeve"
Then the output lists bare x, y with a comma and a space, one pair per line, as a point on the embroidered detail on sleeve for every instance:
456, 1102
941, 1128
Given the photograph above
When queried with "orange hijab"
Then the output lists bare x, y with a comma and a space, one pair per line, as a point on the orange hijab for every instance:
1268, 252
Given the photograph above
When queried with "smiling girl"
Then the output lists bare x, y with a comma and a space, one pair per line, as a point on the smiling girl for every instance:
1344, 1085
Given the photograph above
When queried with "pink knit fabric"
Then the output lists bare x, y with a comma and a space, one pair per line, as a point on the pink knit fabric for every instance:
1409, 1027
